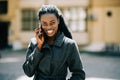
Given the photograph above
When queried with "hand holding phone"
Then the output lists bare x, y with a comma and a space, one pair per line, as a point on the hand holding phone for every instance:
39, 37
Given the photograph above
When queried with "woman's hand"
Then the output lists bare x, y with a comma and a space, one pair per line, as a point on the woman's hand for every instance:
39, 37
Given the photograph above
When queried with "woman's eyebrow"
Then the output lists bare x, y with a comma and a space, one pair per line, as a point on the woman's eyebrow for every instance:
52, 20
43, 21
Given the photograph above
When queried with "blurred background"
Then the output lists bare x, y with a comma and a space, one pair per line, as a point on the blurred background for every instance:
95, 25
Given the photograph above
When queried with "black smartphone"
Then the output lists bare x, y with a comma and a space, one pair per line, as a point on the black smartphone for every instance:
40, 31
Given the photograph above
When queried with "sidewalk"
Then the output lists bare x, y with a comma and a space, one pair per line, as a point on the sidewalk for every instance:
97, 67
11, 65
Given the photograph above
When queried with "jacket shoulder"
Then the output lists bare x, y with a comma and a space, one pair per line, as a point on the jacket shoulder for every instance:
33, 42
69, 41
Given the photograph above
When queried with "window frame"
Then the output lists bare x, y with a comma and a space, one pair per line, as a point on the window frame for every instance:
29, 20
68, 19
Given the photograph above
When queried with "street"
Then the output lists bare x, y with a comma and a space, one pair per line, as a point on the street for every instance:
97, 67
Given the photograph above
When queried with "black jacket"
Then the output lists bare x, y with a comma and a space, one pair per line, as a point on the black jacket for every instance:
53, 60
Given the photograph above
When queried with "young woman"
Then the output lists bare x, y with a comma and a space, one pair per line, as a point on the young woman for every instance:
52, 50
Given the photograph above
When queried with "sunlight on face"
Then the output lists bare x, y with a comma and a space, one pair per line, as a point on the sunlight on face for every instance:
49, 24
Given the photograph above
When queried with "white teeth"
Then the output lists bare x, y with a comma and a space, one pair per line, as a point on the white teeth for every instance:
50, 31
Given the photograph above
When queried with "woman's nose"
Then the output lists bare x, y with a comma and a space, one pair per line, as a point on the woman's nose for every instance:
49, 26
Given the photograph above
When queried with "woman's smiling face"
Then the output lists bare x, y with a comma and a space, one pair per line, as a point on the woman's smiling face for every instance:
49, 24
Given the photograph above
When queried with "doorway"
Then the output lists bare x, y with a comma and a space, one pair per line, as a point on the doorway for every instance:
4, 34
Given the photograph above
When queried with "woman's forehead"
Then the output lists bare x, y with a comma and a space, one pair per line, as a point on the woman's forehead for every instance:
48, 17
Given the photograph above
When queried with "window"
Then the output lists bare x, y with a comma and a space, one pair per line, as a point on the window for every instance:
29, 19
75, 18
3, 7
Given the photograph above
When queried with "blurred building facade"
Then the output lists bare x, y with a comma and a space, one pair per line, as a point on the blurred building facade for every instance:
95, 24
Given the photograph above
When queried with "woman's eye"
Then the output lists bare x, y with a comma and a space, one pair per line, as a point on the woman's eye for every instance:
44, 24
52, 23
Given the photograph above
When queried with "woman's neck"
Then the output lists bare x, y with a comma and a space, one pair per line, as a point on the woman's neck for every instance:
50, 40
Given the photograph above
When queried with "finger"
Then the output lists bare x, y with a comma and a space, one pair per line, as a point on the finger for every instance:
37, 30
42, 39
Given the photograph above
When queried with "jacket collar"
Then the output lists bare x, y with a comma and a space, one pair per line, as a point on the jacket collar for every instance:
58, 40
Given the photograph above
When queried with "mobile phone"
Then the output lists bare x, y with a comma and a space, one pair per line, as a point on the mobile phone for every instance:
40, 32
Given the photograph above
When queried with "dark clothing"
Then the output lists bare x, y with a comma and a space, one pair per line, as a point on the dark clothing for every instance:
52, 61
